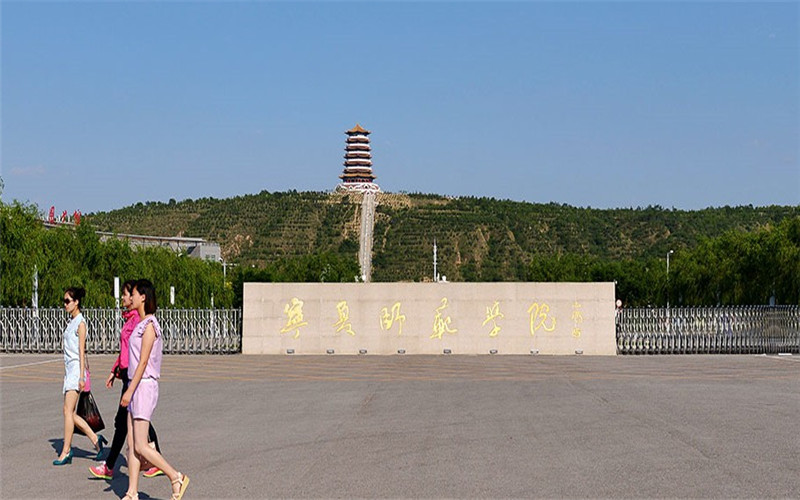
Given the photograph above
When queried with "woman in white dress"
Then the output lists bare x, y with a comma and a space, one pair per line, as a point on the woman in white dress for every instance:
75, 369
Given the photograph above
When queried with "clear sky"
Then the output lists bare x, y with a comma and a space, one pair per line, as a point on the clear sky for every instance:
602, 104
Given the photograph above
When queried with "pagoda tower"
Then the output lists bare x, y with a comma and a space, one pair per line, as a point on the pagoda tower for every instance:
357, 175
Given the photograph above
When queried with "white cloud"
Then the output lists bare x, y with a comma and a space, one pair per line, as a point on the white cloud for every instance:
36, 171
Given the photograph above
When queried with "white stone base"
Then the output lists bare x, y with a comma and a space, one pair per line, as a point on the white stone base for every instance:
358, 187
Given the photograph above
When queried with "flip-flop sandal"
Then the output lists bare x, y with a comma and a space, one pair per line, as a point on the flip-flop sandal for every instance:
183, 480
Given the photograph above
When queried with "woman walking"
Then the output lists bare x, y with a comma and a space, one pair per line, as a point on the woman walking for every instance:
75, 371
144, 356
120, 370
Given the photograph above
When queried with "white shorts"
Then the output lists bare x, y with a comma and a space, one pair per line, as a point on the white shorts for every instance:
72, 371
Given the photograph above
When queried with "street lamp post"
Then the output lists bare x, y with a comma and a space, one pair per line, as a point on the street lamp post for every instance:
669, 326
225, 266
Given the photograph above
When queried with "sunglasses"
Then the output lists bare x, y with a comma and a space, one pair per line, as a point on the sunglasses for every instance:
67, 301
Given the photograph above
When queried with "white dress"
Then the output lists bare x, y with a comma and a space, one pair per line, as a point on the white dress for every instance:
72, 357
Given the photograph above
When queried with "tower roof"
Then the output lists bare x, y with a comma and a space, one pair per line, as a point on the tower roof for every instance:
358, 129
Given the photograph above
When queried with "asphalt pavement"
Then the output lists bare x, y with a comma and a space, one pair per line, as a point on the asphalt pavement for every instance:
429, 427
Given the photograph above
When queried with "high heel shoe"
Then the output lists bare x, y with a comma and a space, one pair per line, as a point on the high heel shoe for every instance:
99, 446
64, 461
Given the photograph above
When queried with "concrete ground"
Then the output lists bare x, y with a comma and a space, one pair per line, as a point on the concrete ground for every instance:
430, 427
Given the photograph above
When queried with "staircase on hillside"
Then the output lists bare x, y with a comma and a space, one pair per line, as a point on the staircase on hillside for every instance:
368, 203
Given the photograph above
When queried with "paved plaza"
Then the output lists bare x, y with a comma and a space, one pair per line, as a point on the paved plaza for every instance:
430, 427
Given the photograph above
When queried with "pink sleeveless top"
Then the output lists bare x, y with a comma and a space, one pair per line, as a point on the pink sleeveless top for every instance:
153, 368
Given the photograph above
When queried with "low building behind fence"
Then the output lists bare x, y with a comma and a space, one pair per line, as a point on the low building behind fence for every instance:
186, 331
709, 330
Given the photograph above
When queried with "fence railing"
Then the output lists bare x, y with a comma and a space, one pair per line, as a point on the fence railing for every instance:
709, 330
684, 330
186, 331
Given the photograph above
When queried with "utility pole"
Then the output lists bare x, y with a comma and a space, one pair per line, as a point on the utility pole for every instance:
435, 272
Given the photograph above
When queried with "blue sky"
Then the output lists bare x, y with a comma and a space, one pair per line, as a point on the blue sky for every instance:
602, 104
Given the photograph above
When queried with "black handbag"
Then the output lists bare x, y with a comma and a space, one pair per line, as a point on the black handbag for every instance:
88, 410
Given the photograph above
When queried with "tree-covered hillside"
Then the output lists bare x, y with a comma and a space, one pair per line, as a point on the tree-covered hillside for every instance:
741, 255
478, 239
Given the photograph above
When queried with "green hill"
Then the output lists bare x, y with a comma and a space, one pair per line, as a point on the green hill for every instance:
478, 238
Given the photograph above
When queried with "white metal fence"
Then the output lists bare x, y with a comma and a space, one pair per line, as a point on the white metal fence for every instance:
186, 331
685, 330
709, 330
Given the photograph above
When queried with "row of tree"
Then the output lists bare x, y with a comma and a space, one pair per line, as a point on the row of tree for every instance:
737, 268
75, 256
67, 256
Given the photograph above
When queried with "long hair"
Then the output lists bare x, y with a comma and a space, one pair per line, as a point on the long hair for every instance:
146, 288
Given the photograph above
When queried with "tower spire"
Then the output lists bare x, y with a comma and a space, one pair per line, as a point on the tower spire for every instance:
357, 175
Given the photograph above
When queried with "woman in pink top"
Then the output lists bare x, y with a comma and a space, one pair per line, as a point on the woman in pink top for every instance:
120, 370
145, 353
